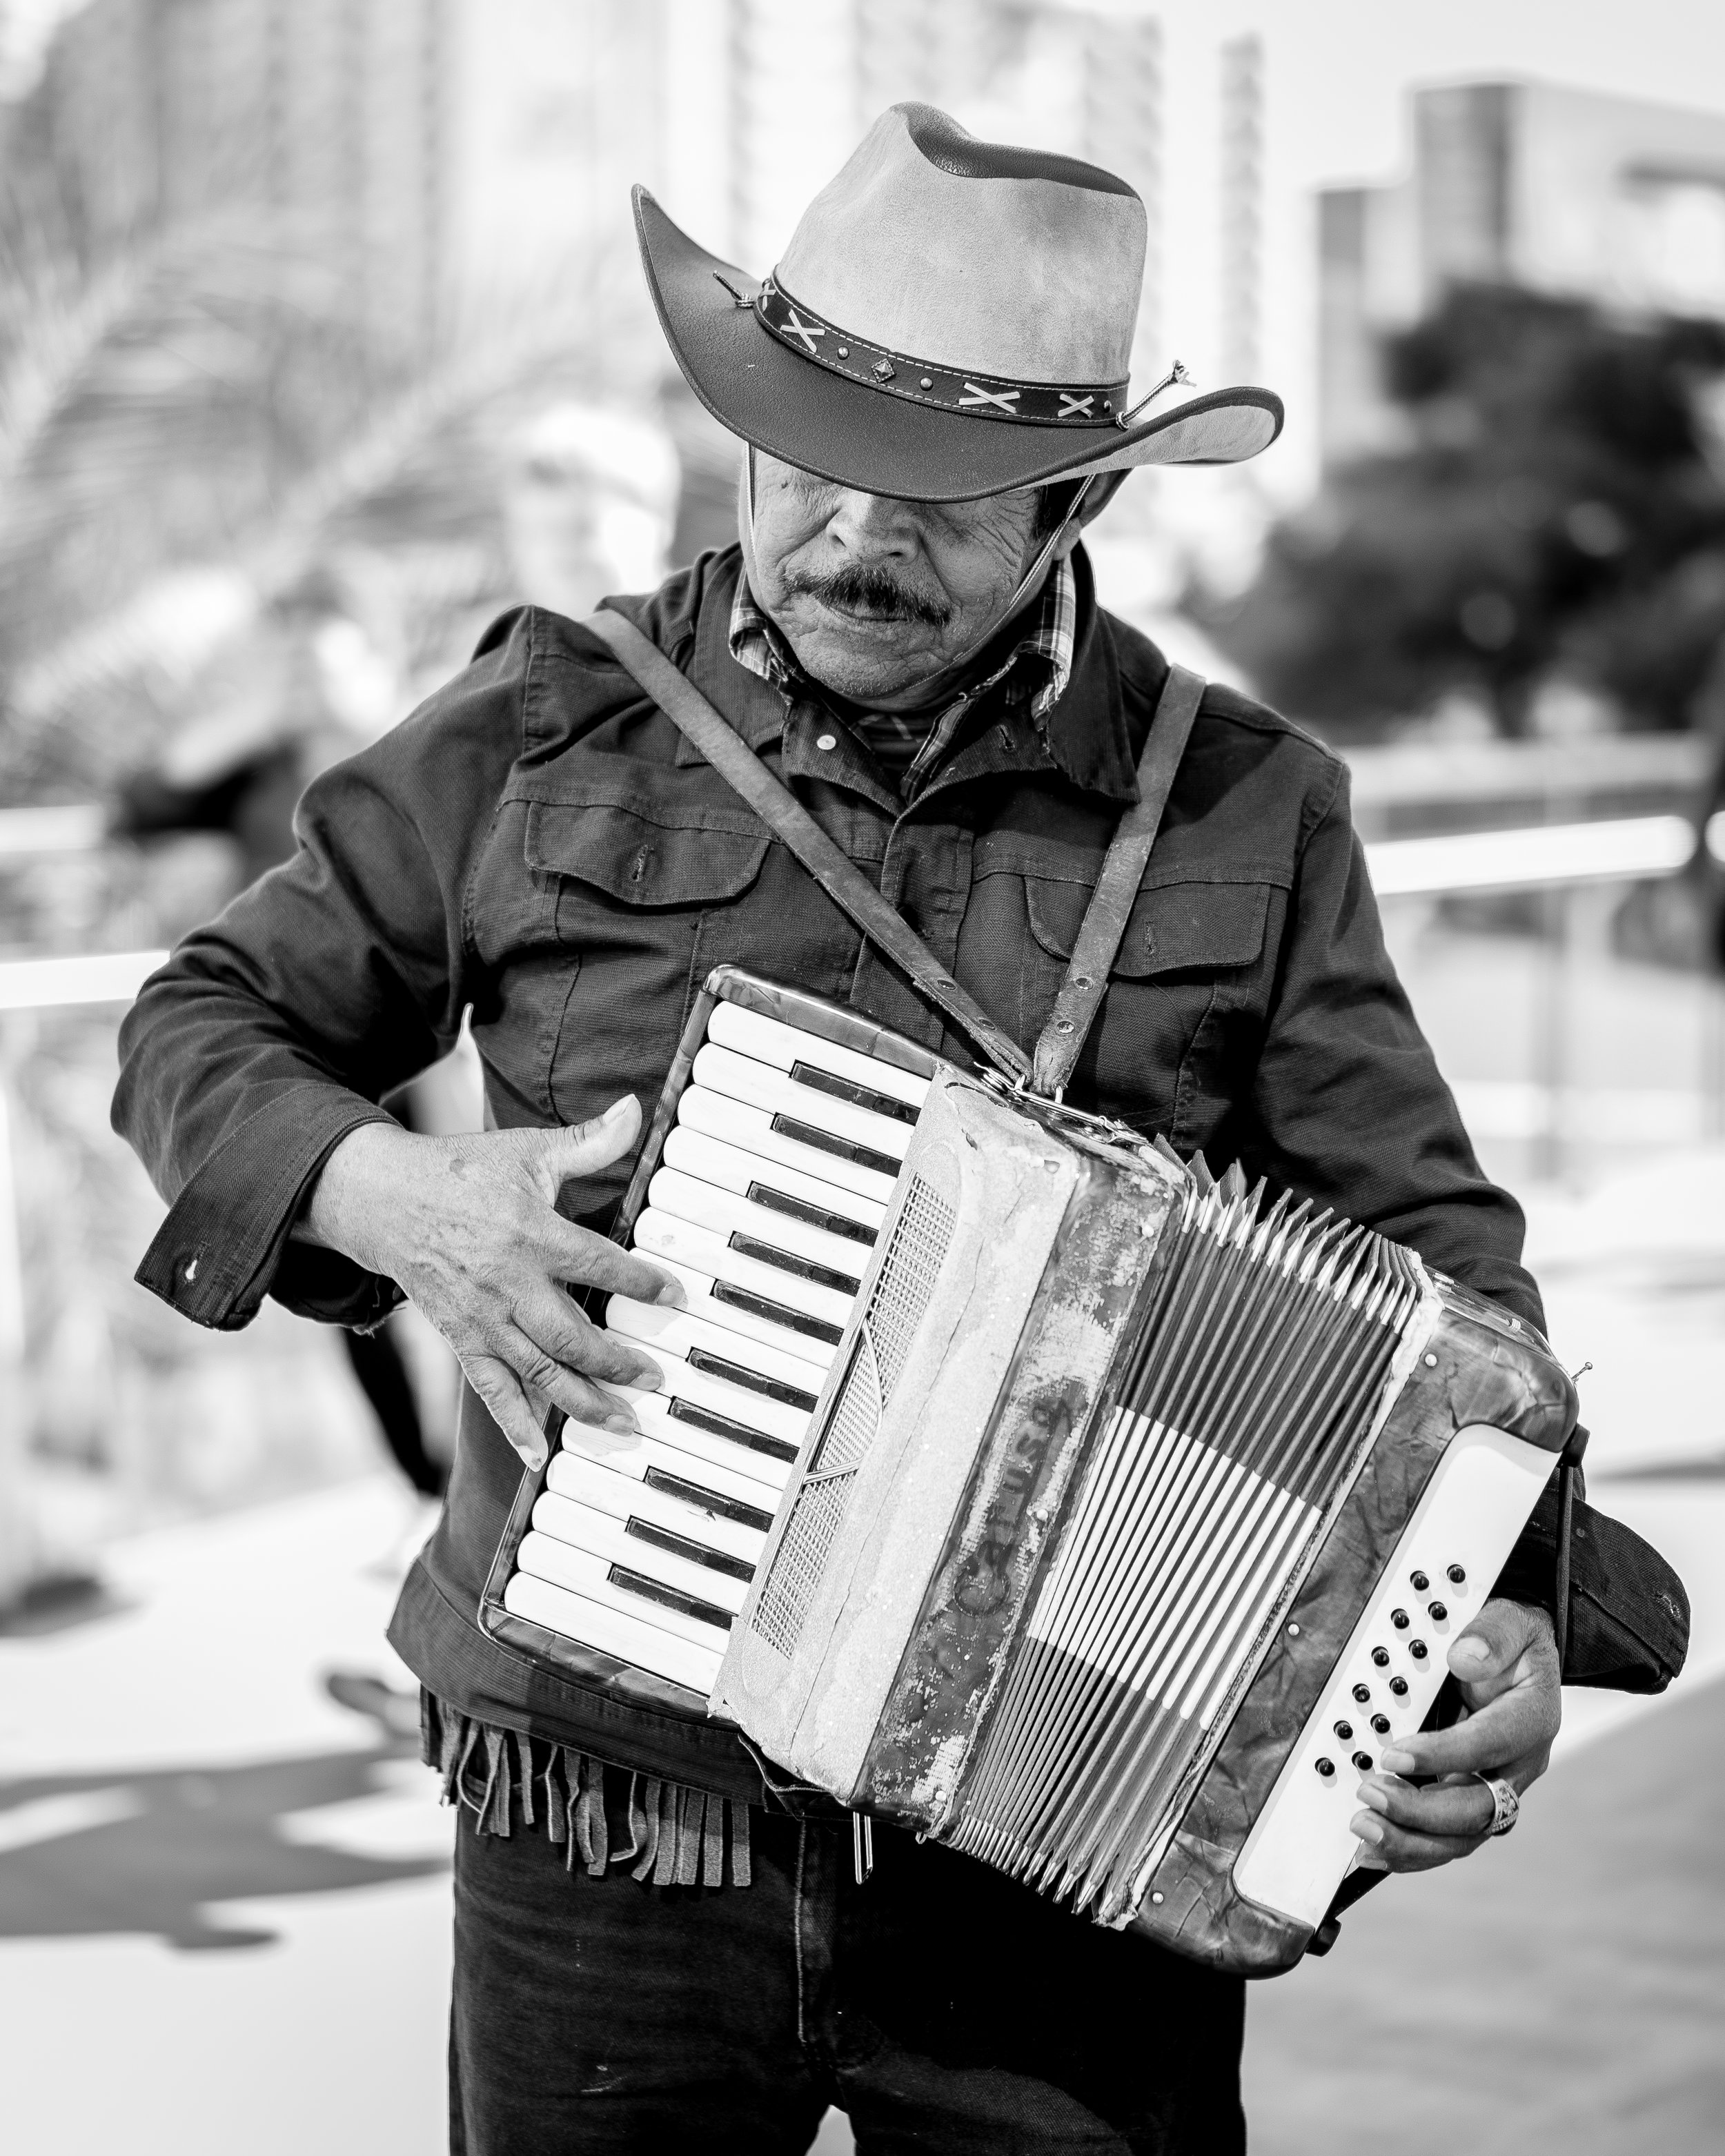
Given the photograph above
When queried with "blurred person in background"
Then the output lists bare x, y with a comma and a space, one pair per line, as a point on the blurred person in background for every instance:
909, 633
307, 687
589, 506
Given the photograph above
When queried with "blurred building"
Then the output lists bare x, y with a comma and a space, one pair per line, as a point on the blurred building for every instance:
1567, 192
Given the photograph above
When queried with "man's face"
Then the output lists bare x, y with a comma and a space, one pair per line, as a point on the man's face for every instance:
877, 597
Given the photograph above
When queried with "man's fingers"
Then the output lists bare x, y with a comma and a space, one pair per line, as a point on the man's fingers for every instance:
1397, 1849
508, 1405
1518, 1726
1486, 1654
578, 1148
576, 1253
1463, 1807
552, 1323
580, 1398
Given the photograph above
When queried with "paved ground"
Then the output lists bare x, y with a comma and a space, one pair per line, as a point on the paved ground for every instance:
223, 1903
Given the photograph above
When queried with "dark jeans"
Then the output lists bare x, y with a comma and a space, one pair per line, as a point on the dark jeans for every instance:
945, 2009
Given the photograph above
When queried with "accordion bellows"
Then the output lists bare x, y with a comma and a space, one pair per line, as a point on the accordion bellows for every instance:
1129, 1515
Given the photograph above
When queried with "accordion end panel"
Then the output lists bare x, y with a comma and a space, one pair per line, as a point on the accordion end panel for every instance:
816, 1650
1471, 1438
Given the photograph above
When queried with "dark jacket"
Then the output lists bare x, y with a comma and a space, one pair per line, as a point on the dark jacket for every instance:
538, 842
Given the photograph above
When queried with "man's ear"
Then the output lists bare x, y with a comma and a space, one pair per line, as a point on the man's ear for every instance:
1100, 491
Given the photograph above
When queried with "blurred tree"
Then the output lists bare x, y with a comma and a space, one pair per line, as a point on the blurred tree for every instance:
1556, 516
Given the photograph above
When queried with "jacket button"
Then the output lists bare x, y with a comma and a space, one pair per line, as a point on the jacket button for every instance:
828, 740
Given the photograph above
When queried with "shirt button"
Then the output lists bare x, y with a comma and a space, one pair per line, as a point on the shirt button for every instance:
828, 740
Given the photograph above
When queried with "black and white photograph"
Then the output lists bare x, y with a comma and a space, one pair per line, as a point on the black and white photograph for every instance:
862, 1078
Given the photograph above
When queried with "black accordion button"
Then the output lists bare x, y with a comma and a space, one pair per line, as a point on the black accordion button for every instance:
1400, 1620
1363, 1693
1380, 1655
1398, 1686
1438, 1612
1344, 1730
1326, 1767
1419, 1583
1362, 1760
1416, 1648
1380, 1723
1455, 1574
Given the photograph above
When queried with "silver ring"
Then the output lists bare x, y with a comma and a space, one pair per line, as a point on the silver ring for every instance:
1506, 1804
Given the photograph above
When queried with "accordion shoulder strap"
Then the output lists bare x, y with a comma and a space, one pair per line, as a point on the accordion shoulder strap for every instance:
1104, 920
838, 875
1097, 943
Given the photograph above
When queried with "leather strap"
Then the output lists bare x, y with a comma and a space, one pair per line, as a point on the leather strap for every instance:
790, 823
1097, 943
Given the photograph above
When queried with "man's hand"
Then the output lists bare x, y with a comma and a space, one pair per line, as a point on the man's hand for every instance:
468, 1227
1506, 1665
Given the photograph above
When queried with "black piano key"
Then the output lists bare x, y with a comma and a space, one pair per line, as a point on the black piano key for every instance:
812, 1216
673, 1598
776, 1313
691, 1553
767, 1254
739, 1433
857, 1096
691, 1493
734, 1373
860, 1155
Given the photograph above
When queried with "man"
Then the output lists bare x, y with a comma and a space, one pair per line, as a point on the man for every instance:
908, 635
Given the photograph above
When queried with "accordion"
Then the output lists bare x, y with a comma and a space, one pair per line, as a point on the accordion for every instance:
1012, 1481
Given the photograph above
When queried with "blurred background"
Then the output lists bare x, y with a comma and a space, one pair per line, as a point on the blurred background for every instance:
321, 342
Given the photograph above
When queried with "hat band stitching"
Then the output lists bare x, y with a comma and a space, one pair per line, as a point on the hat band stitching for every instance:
1086, 406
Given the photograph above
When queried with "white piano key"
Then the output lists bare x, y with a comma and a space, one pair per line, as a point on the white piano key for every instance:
580, 1573
650, 1325
582, 1527
707, 1206
681, 1380
771, 1040
759, 1085
718, 1476
612, 1632
625, 1497
728, 1318
718, 1116
715, 1160
653, 1411
662, 1235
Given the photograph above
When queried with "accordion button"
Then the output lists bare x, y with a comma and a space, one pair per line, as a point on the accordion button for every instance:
1438, 1612
1363, 1693
1344, 1730
1398, 1686
1416, 1648
1419, 1583
1380, 1655
1400, 1620
1326, 1768
1380, 1723
1362, 1760
1455, 1574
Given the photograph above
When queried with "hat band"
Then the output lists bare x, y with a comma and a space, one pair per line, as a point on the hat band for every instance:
923, 382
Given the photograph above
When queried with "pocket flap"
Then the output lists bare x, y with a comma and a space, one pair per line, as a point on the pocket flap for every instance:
640, 860
1196, 925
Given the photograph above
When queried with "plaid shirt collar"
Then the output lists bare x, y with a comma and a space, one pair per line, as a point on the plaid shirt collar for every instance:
1039, 664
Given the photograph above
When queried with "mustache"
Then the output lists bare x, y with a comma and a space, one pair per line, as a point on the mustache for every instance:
865, 588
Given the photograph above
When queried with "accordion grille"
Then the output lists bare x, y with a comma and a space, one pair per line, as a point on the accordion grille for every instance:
903, 1289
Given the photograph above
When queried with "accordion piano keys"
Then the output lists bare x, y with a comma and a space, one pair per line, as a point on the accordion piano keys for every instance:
751, 1317
621, 1543
716, 1526
612, 1631
757, 1085
752, 1132
663, 1236
681, 1331
778, 1239
789, 1049
732, 1167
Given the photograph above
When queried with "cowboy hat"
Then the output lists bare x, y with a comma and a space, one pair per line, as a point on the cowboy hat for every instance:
1019, 269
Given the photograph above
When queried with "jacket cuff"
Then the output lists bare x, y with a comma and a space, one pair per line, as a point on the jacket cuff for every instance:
224, 1243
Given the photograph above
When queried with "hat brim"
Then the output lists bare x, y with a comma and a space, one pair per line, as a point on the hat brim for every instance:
822, 422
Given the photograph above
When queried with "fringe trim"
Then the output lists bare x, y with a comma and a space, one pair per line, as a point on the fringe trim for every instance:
677, 1835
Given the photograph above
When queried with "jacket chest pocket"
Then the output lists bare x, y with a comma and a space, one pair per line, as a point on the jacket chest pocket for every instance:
627, 894
1187, 978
